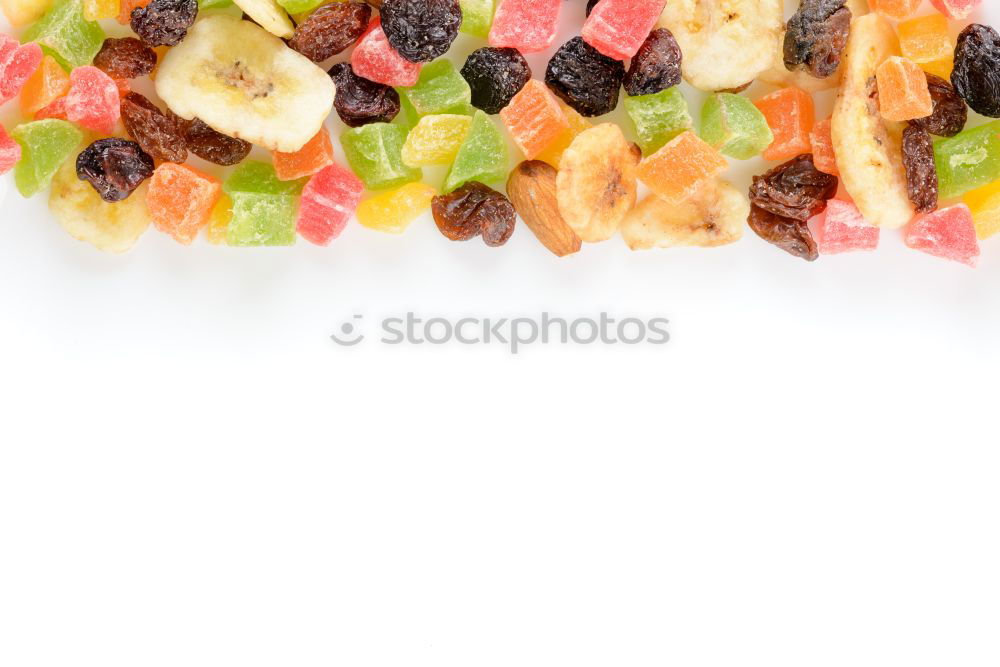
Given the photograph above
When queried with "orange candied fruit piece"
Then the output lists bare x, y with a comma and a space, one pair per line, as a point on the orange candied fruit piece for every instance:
49, 82
823, 154
313, 157
534, 118
902, 90
180, 200
927, 41
577, 125
218, 222
791, 114
895, 9
125, 17
681, 168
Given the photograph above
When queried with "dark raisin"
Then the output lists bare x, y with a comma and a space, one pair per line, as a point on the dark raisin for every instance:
590, 6
656, 65
792, 236
794, 190
115, 167
360, 101
159, 134
125, 58
816, 36
164, 22
421, 30
495, 77
331, 29
976, 76
921, 172
950, 113
475, 209
585, 78
214, 146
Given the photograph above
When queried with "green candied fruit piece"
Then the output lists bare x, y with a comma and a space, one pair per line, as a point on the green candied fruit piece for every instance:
968, 160
482, 156
65, 35
300, 6
254, 177
477, 17
45, 145
440, 89
658, 118
262, 220
214, 4
734, 126
374, 152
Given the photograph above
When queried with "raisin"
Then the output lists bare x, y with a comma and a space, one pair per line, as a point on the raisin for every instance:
590, 6
472, 210
495, 77
125, 58
214, 146
331, 29
794, 190
950, 113
656, 65
359, 101
159, 134
585, 78
792, 236
816, 37
921, 172
976, 76
115, 167
164, 22
421, 30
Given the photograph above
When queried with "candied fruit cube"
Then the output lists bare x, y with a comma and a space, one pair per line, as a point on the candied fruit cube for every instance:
262, 220
552, 154
10, 151
949, 233
17, 65
49, 82
22, 12
440, 89
482, 156
65, 35
956, 9
260, 178
45, 145
790, 114
393, 211
617, 28
734, 126
984, 203
681, 168
93, 101
895, 9
821, 139
127, 6
328, 201
316, 154
842, 228
218, 222
57, 109
925, 39
95, 10
903, 93
375, 59
477, 17
969, 160
374, 152
526, 25
180, 200
534, 118
294, 6
435, 140
658, 118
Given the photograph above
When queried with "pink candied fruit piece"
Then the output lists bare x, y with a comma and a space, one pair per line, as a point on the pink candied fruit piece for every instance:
956, 9
526, 25
93, 101
55, 109
375, 59
617, 28
949, 233
10, 152
842, 228
17, 63
328, 201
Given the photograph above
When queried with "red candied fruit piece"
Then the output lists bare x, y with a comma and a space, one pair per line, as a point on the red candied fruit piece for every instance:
842, 228
375, 59
10, 152
17, 63
949, 233
617, 28
526, 25
93, 101
328, 201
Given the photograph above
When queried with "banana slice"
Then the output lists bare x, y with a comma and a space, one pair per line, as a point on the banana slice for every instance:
868, 148
726, 43
269, 15
245, 83
714, 217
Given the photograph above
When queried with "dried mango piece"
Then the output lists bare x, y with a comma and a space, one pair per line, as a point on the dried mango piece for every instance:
681, 168
393, 211
902, 90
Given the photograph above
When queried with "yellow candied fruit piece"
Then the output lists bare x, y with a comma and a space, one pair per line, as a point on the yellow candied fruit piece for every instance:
926, 39
435, 140
95, 10
218, 222
985, 206
22, 12
941, 68
393, 211
577, 124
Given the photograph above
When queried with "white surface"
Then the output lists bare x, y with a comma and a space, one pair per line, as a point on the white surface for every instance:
193, 474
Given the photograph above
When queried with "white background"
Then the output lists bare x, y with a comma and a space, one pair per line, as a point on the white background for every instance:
192, 474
